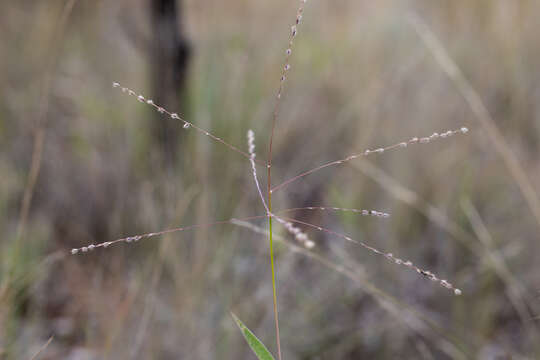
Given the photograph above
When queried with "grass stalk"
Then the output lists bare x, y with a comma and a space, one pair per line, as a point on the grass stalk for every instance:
272, 266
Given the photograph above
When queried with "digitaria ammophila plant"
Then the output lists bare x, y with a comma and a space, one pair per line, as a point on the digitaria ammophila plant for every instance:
290, 224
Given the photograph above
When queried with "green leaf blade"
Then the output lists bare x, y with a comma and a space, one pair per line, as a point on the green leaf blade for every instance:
254, 343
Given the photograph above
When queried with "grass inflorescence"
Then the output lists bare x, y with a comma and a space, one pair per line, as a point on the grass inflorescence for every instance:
295, 227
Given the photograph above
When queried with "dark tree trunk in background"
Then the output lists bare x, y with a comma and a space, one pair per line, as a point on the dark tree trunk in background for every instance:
170, 54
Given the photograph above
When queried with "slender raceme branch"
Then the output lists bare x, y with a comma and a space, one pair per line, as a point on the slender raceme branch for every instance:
186, 124
297, 233
136, 238
389, 256
400, 145
252, 155
362, 212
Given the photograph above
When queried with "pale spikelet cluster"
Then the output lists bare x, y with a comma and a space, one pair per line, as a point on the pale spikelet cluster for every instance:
362, 212
295, 231
288, 52
298, 234
400, 145
389, 256
252, 155
185, 124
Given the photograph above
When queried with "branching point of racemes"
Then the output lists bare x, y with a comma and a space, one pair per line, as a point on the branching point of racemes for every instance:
286, 67
302, 237
288, 223
297, 233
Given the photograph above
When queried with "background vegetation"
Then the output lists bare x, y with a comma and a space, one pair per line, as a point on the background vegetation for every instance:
361, 77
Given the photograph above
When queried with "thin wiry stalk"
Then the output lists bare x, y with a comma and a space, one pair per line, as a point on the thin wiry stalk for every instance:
451, 344
42, 348
186, 124
517, 294
136, 238
252, 155
285, 68
362, 212
389, 256
274, 287
404, 144
268, 208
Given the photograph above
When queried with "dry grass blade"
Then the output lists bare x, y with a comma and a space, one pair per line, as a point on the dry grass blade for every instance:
42, 348
409, 197
362, 212
39, 136
480, 112
405, 314
514, 288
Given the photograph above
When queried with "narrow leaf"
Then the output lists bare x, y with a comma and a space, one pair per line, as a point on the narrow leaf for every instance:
255, 344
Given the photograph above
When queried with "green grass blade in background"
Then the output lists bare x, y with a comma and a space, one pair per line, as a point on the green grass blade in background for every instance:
256, 345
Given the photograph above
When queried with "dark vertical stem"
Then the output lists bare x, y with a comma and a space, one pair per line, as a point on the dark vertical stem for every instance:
170, 55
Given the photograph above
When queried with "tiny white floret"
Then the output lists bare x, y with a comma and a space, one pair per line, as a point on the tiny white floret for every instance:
309, 244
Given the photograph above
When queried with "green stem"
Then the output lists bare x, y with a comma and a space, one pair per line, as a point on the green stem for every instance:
274, 291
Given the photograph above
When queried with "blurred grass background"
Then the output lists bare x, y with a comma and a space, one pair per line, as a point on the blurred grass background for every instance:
361, 77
